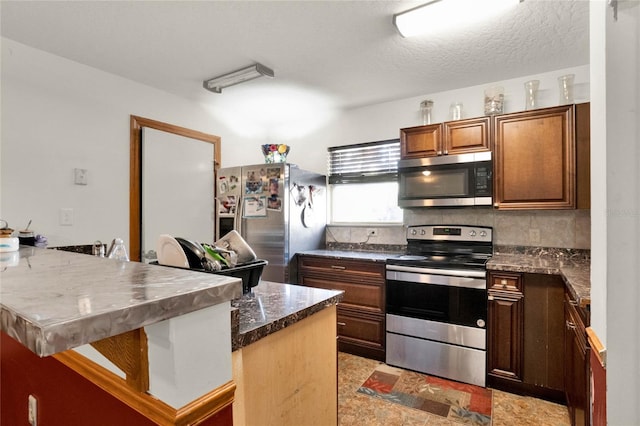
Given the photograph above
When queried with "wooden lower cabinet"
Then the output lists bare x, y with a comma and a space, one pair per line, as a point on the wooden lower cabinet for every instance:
505, 340
526, 335
576, 373
361, 333
289, 378
361, 320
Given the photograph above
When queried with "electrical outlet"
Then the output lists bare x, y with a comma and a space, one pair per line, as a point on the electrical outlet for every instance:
66, 217
80, 176
372, 232
33, 411
534, 235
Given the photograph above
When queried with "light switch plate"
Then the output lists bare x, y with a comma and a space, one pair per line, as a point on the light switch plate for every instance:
80, 176
66, 217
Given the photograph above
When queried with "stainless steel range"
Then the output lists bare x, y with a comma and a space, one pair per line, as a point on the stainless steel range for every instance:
437, 302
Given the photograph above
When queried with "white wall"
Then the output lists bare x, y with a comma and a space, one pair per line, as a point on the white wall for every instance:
615, 145
58, 115
384, 121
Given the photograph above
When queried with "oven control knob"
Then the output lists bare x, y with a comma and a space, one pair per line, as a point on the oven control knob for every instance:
480, 323
414, 232
483, 233
472, 233
423, 232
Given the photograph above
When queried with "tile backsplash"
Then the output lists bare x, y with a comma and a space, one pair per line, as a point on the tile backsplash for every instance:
532, 228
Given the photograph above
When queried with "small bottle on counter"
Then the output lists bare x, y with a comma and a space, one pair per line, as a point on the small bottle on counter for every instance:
98, 248
118, 251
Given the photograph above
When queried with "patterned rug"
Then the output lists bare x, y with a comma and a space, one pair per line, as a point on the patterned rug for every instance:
460, 402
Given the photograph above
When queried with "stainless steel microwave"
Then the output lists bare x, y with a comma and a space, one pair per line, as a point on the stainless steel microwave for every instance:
448, 180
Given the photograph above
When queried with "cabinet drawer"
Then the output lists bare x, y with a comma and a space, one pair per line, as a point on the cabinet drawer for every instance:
505, 282
356, 270
357, 295
361, 328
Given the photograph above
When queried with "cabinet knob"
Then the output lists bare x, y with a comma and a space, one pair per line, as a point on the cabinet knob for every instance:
503, 282
496, 204
338, 267
570, 325
342, 324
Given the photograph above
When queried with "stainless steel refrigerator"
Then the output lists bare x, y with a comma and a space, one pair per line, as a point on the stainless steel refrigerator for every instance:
278, 208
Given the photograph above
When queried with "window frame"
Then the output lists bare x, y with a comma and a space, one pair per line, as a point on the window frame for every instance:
346, 166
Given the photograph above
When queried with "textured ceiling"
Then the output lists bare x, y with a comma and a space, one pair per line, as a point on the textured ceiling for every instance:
348, 51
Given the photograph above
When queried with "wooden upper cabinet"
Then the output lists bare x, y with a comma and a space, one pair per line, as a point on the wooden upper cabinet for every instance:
462, 136
535, 159
421, 141
452, 137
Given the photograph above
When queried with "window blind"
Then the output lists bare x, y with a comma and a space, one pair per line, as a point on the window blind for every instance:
363, 163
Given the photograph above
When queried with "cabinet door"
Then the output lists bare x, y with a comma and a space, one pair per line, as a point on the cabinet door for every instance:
544, 332
576, 367
505, 326
464, 136
421, 141
535, 160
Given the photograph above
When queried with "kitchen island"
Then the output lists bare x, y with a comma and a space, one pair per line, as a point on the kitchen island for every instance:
98, 341
285, 356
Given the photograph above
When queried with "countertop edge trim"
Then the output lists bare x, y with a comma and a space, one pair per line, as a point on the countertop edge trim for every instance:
253, 335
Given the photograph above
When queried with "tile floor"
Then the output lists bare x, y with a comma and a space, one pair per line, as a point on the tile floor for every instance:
356, 409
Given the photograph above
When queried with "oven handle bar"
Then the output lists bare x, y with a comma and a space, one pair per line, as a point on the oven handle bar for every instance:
452, 280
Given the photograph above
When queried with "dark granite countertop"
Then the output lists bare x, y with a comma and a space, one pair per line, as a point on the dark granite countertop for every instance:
375, 256
575, 271
572, 265
270, 307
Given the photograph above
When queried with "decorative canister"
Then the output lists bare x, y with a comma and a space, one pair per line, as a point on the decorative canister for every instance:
425, 109
565, 83
494, 100
531, 94
455, 111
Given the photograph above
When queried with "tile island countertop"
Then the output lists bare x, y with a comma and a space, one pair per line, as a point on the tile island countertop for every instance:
52, 300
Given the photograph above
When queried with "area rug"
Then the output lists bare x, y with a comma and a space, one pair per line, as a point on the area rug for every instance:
459, 402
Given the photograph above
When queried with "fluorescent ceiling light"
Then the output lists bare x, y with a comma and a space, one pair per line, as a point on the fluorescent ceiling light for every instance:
216, 84
447, 15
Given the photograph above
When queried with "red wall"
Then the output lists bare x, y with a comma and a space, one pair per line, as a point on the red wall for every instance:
64, 397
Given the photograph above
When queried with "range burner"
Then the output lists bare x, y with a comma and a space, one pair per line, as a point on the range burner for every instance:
446, 247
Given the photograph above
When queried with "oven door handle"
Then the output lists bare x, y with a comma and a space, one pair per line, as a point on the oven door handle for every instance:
449, 272
444, 280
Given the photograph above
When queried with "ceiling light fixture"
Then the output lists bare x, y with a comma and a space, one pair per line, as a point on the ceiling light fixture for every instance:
441, 15
256, 70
